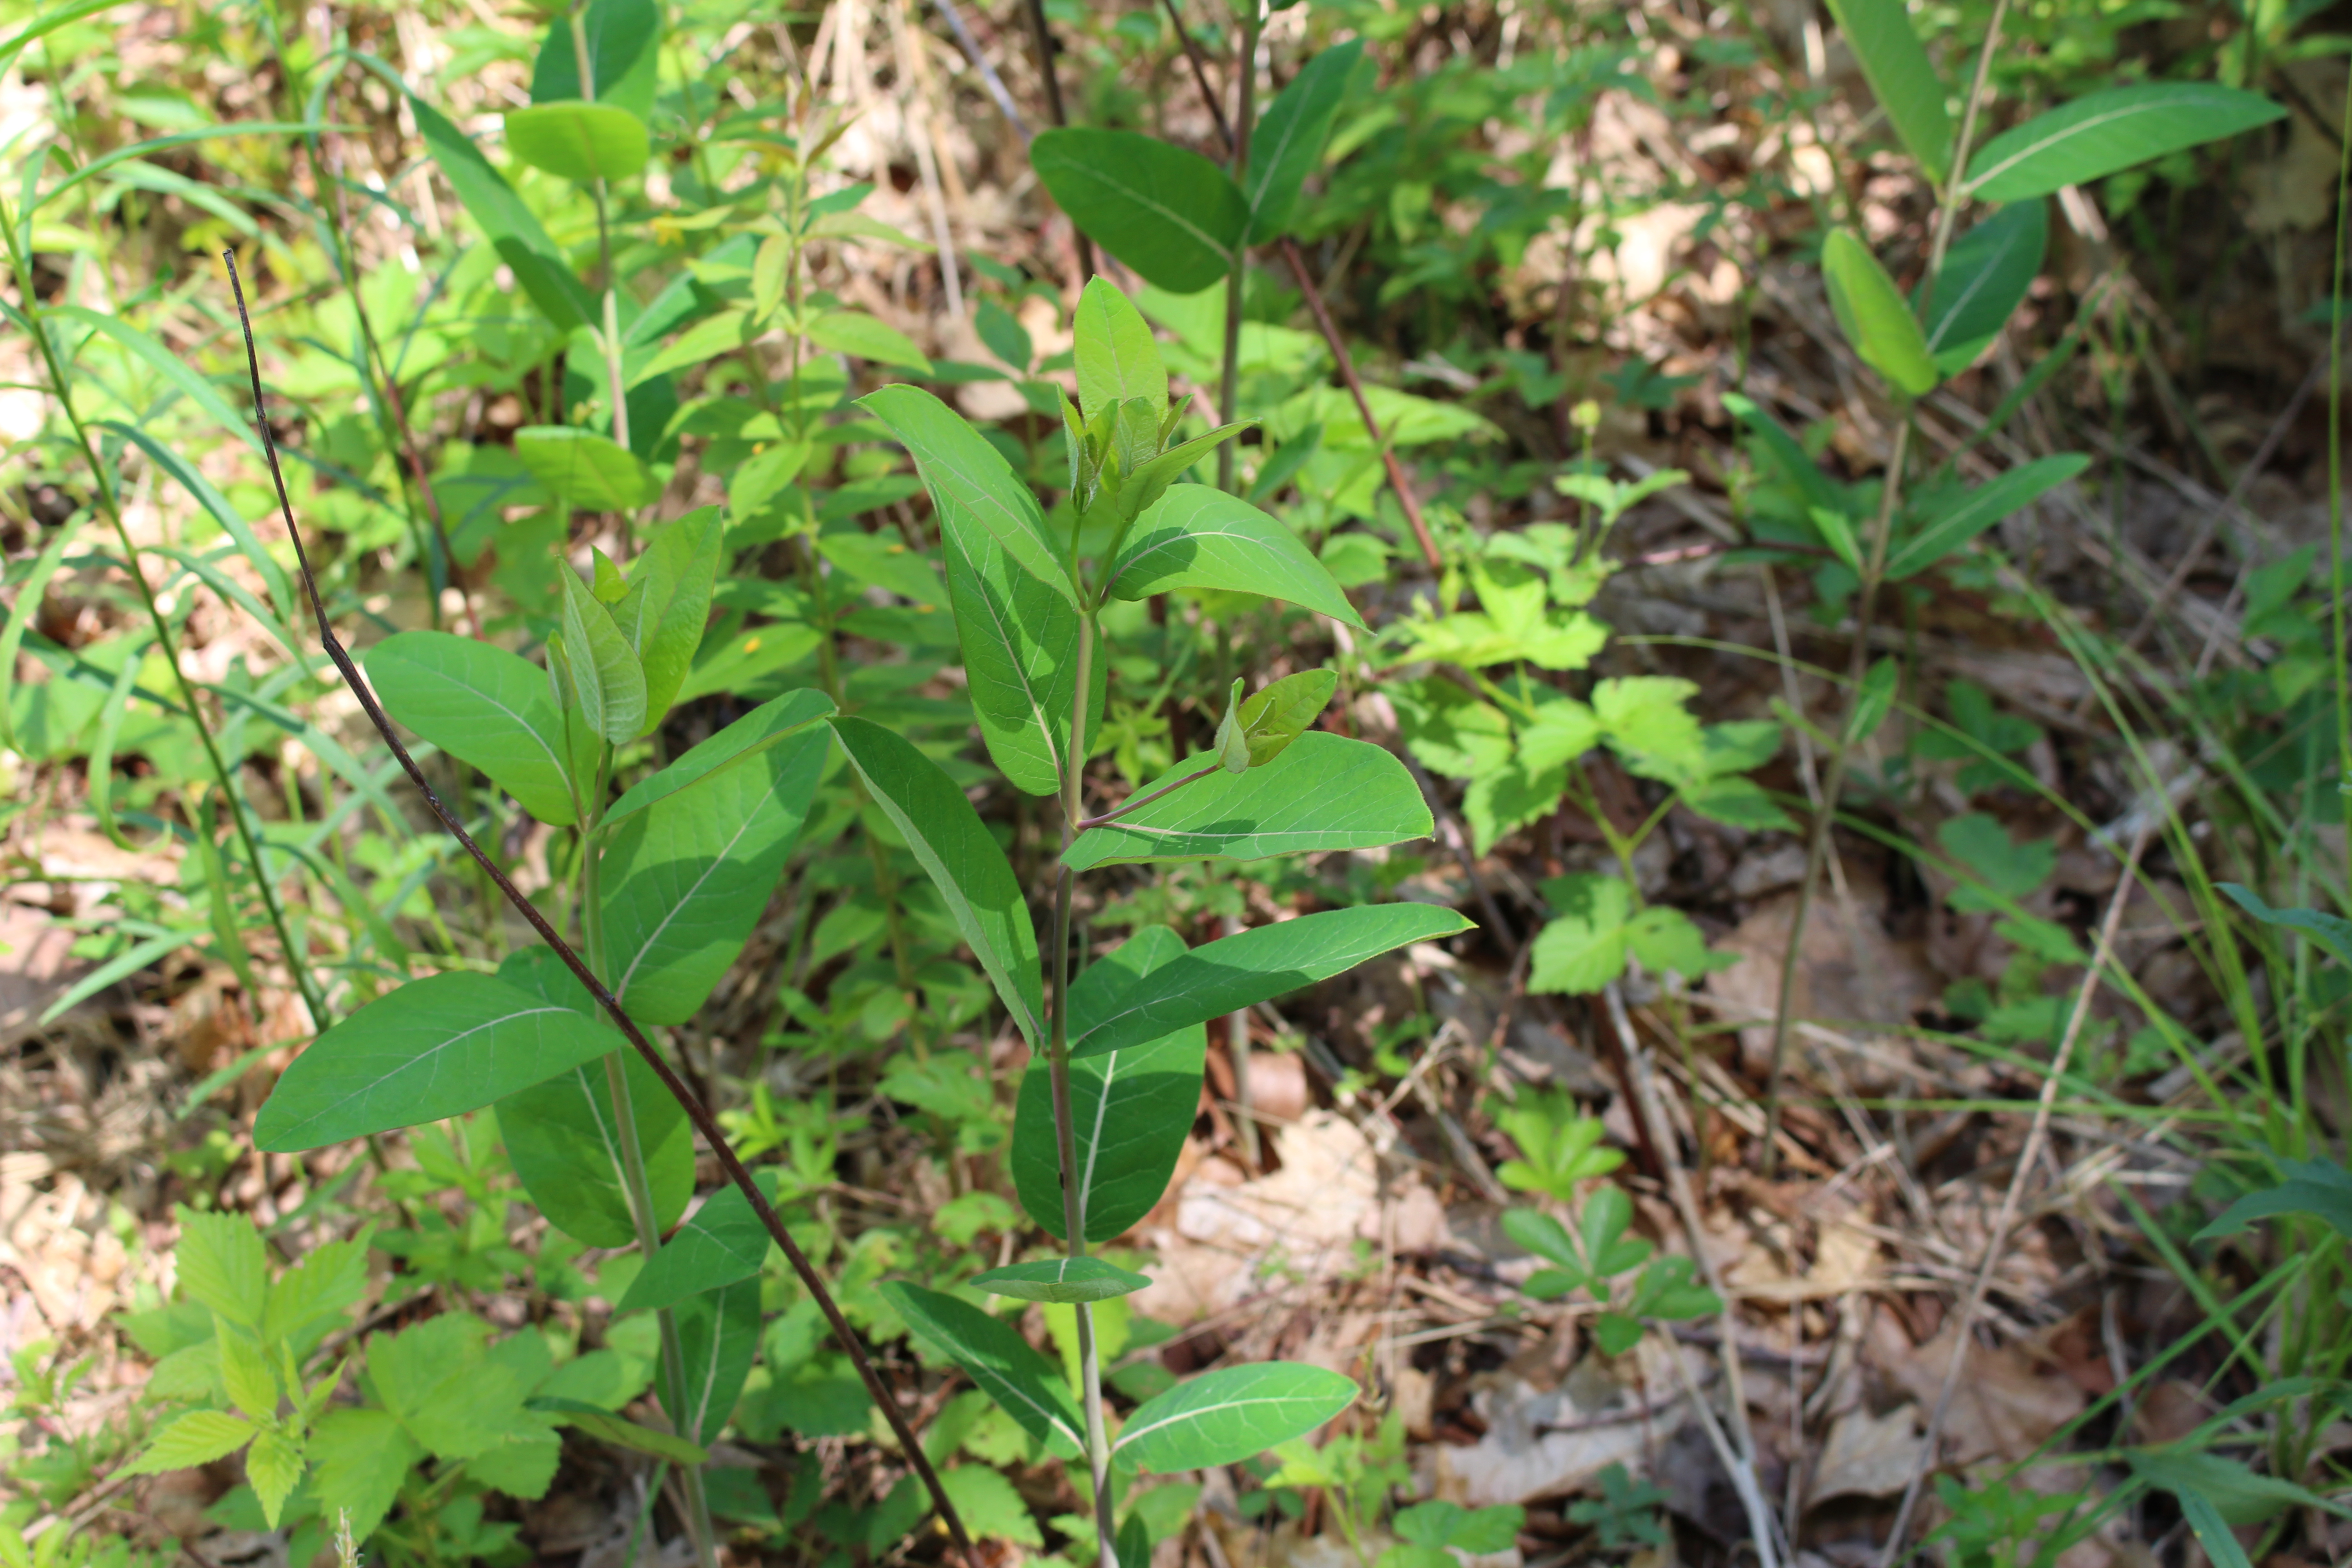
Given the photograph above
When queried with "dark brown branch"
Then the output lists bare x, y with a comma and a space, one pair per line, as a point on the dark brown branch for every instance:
697, 1113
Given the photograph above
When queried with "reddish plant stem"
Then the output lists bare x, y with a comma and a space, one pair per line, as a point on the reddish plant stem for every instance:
696, 1110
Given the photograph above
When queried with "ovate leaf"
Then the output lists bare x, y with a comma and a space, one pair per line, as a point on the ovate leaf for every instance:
1021, 640
958, 854
667, 605
1254, 967
1028, 1387
222, 1265
719, 1334
1197, 537
581, 142
1062, 1279
195, 1437
1906, 85
2101, 133
1130, 1110
482, 705
1986, 277
856, 334
723, 1242
687, 878
512, 230
604, 673
1234, 1414
564, 1138
767, 726
1873, 315
1117, 358
971, 483
1168, 213
1325, 792
1288, 141
433, 1048
591, 471
1583, 948
359, 1459
623, 56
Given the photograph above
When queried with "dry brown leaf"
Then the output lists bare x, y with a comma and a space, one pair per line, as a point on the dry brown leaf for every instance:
1869, 1456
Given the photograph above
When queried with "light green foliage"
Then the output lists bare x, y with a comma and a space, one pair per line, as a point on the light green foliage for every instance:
2101, 133
1874, 317
1559, 1146
1168, 213
1234, 1414
1906, 84
1431, 1533
1323, 792
582, 141
1599, 1258
483, 706
1626, 1513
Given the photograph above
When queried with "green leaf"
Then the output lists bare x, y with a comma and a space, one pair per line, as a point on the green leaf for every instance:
959, 855
1141, 489
563, 1140
1288, 141
1986, 277
438, 1377
1836, 530
1980, 846
1062, 1278
971, 485
2101, 133
1020, 640
1197, 537
1964, 514
512, 230
272, 1467
1117, 357
1873, 702
195, 1437
1503, 800
1231, 1415
669, 603
244, 1374
174, 368
487, 707
2236, 1493
2212, 1531
593, 472
1030, 1388
2312, 1187
752, 736
624, 57
1240, 971
1170, 214
1544, 1236
990, 1507
2332, 930
1664, 939
855, 334
722, 332
579, 142
359, 1459
1874, 317
1130, 1110
435, 1047
222, 1263
875, 558
686, 879
1906, 85
719, 1332
604, 671
621, 1432
1281, 711
1584, 947
723, 1242
329, 1278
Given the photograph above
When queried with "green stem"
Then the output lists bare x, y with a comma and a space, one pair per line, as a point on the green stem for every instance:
1066, 1149
636, 1185
60, 387
1229, 389
2336, 581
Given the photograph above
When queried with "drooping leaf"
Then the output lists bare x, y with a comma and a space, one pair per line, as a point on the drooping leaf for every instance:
603, 672
2314, 1187
2101, 133
1130, 1110
975, 488
1906, 85
511, 227
1117, 358
593, 472
621, 1432
1237, 972
1986, 276
1061, 1279
1288, 141
433, 1048
623, 40
686, 879
1965, 515
1873, 315
723, 1242
485, 707
2333, 931
1234, 1414
1324, 792
1028, 1387
1197, 537
957, 851
580, 142
562, 1137
1168, 213
719, 1334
